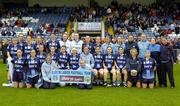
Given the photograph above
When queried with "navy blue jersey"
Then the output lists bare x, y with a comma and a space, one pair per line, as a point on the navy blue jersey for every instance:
98, 61
12, 49
155, 52
18, 64
37, 46
133, 64
109, 61
54, 57
89, 45
148, 68
54, 44
21, 44
94, 47
121, 61
166, 54
41, 57
63, 60
27, 49
74, 62
33, 66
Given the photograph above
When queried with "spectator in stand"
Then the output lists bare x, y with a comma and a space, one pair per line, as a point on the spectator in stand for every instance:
4, 50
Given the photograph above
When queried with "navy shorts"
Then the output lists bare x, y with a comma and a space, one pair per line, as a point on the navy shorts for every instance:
18, 76
33, 80
98, 69
133, 80
147, 81
120, 70
109, 69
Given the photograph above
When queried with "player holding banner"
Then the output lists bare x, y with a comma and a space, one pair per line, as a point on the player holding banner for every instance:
47, 67
83, 65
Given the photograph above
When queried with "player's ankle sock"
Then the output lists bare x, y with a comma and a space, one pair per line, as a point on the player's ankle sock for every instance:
118, 82
9, 81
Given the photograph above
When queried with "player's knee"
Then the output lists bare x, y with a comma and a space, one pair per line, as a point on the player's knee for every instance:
113, 71
95, 71
151, 86
138, 85
124, 72
28, 85
105, 72
129, 84
15, 85
101, 71
21, 85
118, 72
144, 85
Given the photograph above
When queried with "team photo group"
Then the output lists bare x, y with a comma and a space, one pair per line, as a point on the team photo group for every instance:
113, 62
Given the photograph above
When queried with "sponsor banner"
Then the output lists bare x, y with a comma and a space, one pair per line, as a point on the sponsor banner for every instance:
71, 76
89, 26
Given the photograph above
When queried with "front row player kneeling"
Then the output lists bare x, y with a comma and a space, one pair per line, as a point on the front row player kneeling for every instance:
83, 65
133, 67
148, 70
47, 67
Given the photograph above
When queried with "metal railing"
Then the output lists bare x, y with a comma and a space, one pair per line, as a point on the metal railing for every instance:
177, 54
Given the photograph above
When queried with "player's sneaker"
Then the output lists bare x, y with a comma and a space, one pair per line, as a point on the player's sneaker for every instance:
172, 87
97, 82
109, 85
105, 84
113, 84
118, 83
94, 82
101, 83
124, 84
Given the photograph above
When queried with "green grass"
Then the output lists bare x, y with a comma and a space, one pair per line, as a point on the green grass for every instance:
99, 96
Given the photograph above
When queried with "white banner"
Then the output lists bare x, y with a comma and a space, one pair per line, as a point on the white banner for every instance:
89, 26
71, 76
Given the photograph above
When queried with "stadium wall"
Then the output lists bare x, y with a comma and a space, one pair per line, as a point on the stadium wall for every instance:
125, 2
58, 3
50, 3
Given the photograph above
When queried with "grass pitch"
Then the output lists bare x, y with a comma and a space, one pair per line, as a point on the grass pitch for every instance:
98, 96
